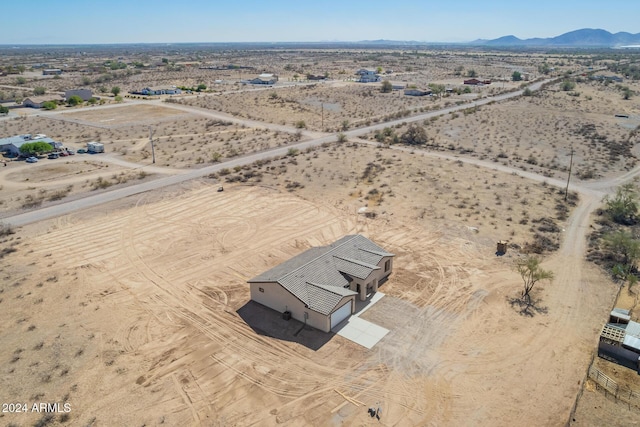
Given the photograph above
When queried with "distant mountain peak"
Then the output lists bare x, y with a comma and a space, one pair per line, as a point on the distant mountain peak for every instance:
585, 37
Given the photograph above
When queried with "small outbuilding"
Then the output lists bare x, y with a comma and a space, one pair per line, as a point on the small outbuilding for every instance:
319, 286
620, 340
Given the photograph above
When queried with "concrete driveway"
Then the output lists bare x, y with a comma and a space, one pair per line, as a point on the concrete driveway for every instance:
360, 331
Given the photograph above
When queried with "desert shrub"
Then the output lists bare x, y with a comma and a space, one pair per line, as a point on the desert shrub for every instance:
293, 185
6, 230
415, 135
567, 85
623, 206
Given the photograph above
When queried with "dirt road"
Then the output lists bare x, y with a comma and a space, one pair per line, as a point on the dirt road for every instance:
317, 139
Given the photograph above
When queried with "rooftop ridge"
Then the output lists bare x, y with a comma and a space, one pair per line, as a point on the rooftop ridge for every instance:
355, 261
319, 256
376, 252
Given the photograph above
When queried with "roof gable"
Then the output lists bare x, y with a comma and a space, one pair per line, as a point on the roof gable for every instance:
316, 277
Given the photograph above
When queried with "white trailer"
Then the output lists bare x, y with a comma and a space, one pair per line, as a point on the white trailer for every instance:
95, 147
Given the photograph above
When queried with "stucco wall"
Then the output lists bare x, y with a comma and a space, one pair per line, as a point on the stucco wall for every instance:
373, 279
279, 299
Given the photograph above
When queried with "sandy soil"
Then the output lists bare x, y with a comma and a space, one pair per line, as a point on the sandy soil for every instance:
408, 186
603, 144
137, 312
172, 271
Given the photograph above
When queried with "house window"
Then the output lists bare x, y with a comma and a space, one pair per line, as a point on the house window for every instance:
387, 265
261, 289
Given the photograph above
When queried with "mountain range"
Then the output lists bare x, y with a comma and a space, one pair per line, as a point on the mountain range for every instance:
585, 37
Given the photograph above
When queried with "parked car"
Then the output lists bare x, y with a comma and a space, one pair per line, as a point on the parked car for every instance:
53, 156
82, 151
31, 159
64, 153
71, 152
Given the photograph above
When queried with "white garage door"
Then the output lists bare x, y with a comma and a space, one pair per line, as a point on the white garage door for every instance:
340, 314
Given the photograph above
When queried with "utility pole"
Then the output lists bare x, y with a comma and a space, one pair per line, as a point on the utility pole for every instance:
322, 108
566, 191
153, 151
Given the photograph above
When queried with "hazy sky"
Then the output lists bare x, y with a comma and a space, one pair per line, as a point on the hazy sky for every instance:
151, 21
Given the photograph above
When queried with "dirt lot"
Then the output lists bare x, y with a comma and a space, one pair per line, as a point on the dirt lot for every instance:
337, 106
603, 144
406, 186
138, 114
172, 271
137, 312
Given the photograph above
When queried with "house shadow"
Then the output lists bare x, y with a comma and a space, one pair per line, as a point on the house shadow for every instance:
269, 323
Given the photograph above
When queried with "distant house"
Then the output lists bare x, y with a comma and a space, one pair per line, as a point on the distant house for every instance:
398, 86
417, 92
51, 72
85, 94
264, 79
476, 82
159, 90
616, 79
319, 286
12, 144
318, 77
368, 76
39, 100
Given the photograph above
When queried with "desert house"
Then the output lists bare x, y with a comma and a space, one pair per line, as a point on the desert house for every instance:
319, 286
264, 79
368, 76
84, 94
159, 90
600, 77
417, 92
37, 101
12, 144
476, 82
51, 72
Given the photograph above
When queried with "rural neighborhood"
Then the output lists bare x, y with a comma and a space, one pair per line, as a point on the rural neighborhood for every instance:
321, 233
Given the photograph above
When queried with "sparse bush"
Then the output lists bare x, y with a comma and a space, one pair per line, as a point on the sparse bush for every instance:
567, 85
623, 206
415, 135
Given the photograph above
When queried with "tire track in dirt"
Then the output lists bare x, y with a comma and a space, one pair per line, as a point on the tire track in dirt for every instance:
193, 318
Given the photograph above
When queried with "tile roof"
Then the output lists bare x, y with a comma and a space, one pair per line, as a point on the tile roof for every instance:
39, 99
316, 276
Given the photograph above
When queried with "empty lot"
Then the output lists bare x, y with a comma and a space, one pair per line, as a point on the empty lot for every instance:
151, 321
